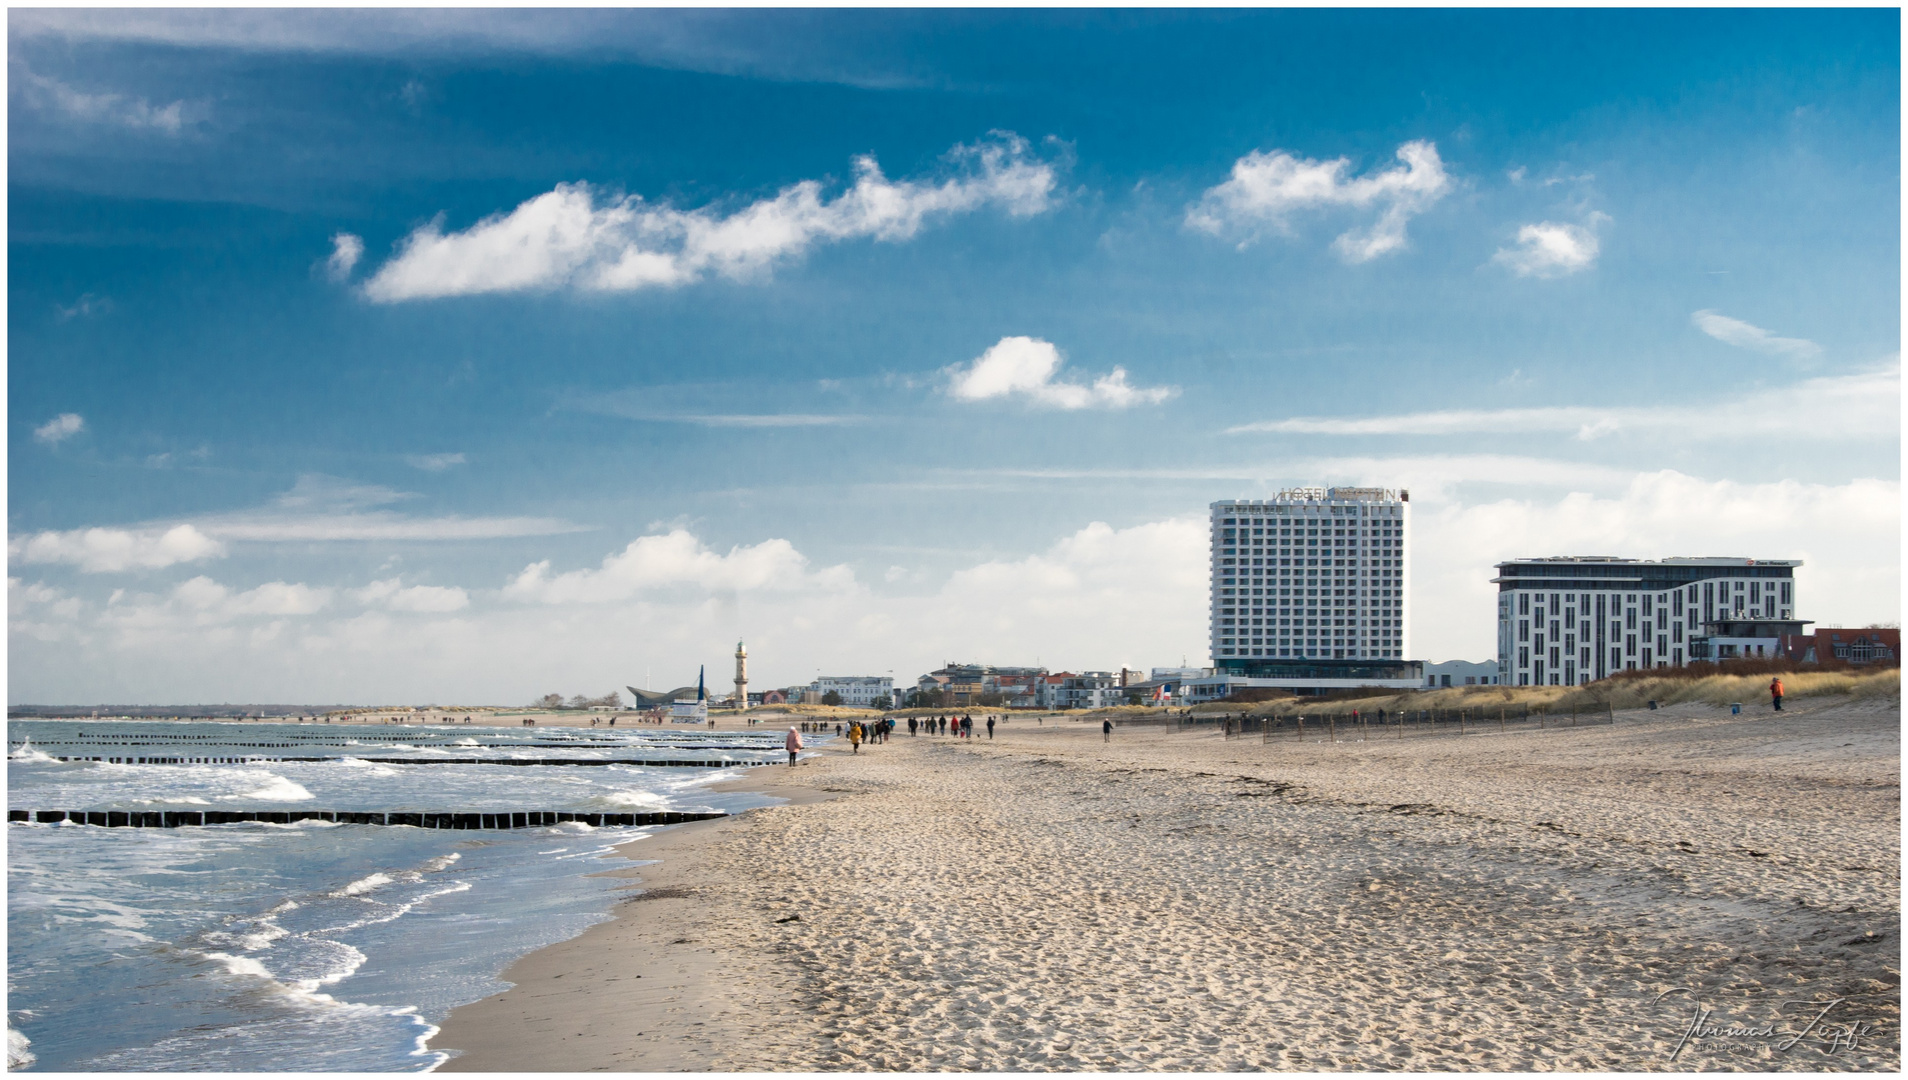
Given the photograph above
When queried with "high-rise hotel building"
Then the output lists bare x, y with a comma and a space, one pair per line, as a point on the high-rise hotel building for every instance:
1311, 586
1570, 620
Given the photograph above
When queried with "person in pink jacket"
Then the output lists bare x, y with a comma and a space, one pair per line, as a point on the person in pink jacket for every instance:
794, 744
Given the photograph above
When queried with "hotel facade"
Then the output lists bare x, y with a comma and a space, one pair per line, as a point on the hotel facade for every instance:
1569, 620
1309, 589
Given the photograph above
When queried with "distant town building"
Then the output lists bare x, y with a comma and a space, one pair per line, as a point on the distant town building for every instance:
1461, 673
1079, 690
860, 691
1309, 590
1567, 620
966, 684
1864, 645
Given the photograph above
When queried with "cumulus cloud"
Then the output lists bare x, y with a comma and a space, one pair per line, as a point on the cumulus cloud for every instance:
1747, 336
435, 462
120, 110
578, 237
1551, 249
103, 550
1028, 368
394, 595
1863, 405
346, 250
1267, 188
670, 560
60, 428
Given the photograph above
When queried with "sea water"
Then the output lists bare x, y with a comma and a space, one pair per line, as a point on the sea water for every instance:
310, 946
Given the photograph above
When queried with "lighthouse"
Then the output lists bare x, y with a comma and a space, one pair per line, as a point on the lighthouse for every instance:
741, 676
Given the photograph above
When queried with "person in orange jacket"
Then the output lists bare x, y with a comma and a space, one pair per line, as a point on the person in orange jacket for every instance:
1775, 693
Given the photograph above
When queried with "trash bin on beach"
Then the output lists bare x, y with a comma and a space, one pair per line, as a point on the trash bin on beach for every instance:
1735, 708
1652, 704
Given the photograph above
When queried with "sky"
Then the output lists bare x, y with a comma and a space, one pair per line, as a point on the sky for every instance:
468, 356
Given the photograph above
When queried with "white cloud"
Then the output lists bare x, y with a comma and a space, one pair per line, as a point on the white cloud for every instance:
1097, 598
675, 559
1027, 367
85, 307
571, 237
1553, 249
1746, 336
60, 428
1846, 534
97, 551
435, 462
1863, 405
316, 509
393, 594
1267, 188
346, 250
120, 110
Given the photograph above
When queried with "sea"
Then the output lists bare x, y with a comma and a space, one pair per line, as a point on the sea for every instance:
310, 946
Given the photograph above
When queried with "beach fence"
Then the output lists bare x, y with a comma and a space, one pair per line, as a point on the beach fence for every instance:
1397, 724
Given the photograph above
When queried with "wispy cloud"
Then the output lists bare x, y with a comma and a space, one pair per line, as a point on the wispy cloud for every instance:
50, 95
1268, 187
1551, 249
316, 509
1747, 336
86, 306
1863, 405
573, 238
60, 428
1029, 368
435, 462
346, 250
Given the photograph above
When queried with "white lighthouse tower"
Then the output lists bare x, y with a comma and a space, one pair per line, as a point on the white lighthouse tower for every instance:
741, 677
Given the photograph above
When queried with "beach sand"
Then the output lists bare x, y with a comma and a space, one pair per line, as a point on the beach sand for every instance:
1183, 901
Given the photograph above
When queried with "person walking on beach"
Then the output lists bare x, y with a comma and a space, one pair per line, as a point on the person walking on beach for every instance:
911, 725
794, 744
854, 737
1106, 730
1775, 693
990, 727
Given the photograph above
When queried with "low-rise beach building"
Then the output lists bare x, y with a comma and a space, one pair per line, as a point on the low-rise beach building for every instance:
1569, 620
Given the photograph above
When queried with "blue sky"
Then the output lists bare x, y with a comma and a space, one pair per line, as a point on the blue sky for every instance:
399, 356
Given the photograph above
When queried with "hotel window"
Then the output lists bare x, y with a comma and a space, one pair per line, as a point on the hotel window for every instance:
1523, 603
1616, 658
1629, 644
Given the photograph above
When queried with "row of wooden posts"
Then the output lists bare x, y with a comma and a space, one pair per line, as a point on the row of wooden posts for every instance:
1397, 723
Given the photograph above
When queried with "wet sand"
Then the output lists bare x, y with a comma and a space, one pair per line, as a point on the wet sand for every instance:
1182, 901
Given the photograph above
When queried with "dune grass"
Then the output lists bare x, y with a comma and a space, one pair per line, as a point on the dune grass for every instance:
1628, 692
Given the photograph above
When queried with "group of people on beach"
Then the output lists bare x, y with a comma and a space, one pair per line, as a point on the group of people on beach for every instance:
962, 726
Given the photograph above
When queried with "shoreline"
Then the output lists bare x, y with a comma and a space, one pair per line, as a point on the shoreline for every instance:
621, 968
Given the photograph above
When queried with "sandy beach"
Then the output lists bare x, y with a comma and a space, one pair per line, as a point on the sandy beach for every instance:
1162, 901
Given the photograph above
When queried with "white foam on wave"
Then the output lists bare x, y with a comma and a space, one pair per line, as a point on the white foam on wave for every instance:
364, 885
26, 754
18, 1056
630, 798
275, 789
467, 741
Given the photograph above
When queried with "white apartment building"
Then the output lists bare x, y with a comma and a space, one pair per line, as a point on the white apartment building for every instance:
1309, 588
1569, 620
860, 691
